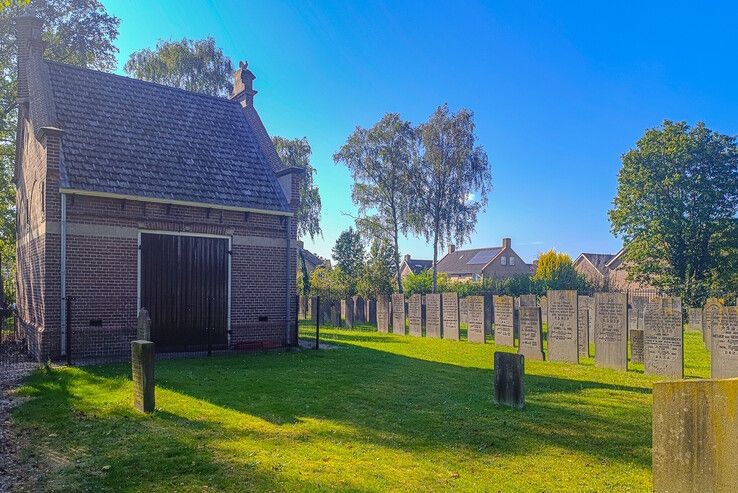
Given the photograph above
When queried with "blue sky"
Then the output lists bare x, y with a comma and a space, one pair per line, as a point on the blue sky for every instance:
559, 90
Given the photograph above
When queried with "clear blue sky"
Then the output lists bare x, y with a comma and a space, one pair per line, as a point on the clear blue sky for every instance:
559, 90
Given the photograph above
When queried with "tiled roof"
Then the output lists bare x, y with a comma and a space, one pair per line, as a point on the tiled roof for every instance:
599, 260
130, 137
467, 261
311, 258
418, 266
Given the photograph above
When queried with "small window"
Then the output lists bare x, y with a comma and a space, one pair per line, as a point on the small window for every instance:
503, 261
512, 260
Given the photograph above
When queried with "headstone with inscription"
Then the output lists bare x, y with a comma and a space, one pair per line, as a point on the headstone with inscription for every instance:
450, 312
383, 313
724, 354
710, 314
583, 331
433, 315
143, 325
349, 312
336, 313
636, 345
488, 315
476, 316
663, 340
530, 342
563, 336
543, 302
463, 312
142, 370
359, 313
632, 319
504, 321
398, 314
527, 300
415, 315
694, 321
611, 330
509, 381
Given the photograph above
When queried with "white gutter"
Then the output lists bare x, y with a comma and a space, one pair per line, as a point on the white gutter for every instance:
63, 276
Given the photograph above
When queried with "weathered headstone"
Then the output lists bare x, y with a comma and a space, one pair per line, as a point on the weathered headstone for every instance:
336, 313
398, 314
488, 315
415, 315
563, 338
663, 340
450, 313
371, 311
143, 325
463, 311
543, 302
611, 330
301, 307
383, 313
433, 315
359, 313
349, 312
694, 322
142, 370
504, 321
724, 353
476, 323
586, 304
509, 379
530, 342
636, 345
528, 300
695, 436
632, 319
710, 314
583, 331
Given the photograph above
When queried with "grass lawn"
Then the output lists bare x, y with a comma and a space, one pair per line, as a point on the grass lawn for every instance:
380, 413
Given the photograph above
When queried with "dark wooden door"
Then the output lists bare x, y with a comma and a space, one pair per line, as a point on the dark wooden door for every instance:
184, 286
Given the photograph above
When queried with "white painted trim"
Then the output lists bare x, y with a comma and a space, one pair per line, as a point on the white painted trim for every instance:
173, 202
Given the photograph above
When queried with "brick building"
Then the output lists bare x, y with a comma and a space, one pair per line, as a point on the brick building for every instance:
609, 271
131, 194
500, 262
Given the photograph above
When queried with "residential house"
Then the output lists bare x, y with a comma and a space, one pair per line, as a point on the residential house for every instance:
484, 263
135, 195
608, 271
415, 266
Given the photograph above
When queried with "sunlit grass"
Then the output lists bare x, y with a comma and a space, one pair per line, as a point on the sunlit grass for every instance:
380, 413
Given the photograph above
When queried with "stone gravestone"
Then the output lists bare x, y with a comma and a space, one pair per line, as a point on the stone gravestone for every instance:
636, 344
450, 311
530, 339
611, 330
543, 302
724, 353
583, 330
301, 307
632, 319
463, 312
563, 337
584, 304
326, 312
371, 312
709, 320
415, 315
694, 322
504, 321
695, 436
488, 314
509, 381
433, 315
476, 318
336, 313
663, 340
142, 370
527, 300
349, 312
383, 314
398, 314
359, 314
143, 325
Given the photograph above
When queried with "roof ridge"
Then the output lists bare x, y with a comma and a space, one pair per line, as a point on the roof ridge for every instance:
142, 81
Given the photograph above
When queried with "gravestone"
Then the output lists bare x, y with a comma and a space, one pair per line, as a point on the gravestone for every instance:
142, 370
301, 308
527, 300
476, 314
343, 309
504, 321
509, 379
433, 315
695, 436
143, 325
530, 342
415, 315
398, 314
710, 314
359, 313
636, 345
371, 311
543, 302
663, 340
488, 315
694, 322
383, 313
326, 312
583, 331
638, 303
450, 311
563, 337
611, 330
632, 319
349, 312
724, 354
336, 313
463, 312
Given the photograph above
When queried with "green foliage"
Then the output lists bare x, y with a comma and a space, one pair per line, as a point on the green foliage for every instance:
377, 277
377, 158
511, 286
295, 153
422, 283
556, 271
194, 65
348, 253
5, 4
448, 169
77, 32
677, 198
330, 284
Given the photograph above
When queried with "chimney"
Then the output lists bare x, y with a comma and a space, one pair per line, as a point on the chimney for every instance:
451, 248
243, 85
407, 258
28, 31
506, 243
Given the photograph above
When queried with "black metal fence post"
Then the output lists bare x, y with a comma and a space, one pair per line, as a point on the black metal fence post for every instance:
209, 328
317, 322
68, 322
295, 336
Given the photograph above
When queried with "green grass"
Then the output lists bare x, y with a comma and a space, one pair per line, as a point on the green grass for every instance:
381, 413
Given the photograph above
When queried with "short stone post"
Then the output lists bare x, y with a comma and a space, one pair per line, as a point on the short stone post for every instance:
142, 366
509, 384
143, 325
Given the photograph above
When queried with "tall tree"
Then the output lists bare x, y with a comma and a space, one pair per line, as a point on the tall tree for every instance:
349, 254
194, 65
556, 270
677, 194
296, 153
449, 180
377, 278
377, 159
77, 32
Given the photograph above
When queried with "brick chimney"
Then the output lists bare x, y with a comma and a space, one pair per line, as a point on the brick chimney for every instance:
506, 243
407, 258
451, 248
28, 31
243, 85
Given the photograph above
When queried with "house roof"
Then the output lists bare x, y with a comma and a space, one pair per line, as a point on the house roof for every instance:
467, 261
311, 258
418, 266
128, 137
598, 260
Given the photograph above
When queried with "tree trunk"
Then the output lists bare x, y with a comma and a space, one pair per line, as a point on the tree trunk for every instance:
435, 261
397, 261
